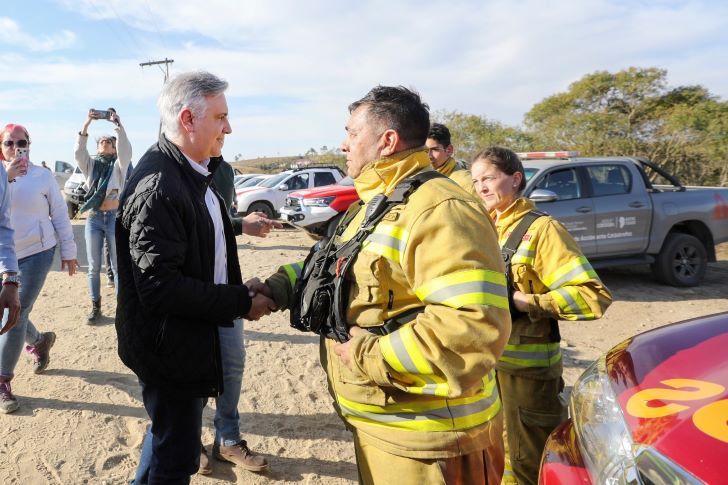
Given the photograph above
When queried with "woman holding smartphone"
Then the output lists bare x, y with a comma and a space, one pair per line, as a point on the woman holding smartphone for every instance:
105, 173
39, 217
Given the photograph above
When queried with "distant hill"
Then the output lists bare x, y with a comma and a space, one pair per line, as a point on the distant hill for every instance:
264, 165
278, 164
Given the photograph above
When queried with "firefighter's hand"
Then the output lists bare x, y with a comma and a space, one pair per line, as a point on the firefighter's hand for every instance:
344, 350
9, 299
257, 224
520, 299
260, 306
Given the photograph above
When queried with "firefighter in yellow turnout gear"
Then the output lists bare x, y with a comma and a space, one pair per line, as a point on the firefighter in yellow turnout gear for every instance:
551, 280
422, 400
440, 150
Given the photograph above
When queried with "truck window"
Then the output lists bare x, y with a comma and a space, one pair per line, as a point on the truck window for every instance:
298, 182
562, 182
609, 180
323, 178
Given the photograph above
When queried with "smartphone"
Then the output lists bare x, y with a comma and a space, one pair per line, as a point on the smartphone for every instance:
100, 114
22, 154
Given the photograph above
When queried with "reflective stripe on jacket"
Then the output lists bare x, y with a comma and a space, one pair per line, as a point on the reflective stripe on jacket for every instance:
426, 390
549, 266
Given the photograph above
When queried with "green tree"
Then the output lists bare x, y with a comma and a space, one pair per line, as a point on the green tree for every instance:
471, 133
634, 113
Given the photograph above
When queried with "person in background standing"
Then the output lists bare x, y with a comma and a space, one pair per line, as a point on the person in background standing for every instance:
105, 174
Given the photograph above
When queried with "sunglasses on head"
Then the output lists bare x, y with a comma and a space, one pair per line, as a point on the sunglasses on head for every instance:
18, 143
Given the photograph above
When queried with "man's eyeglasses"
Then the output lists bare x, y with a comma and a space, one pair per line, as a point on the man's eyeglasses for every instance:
18, 143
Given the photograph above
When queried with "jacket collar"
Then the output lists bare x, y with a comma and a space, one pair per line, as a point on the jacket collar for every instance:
383, 175
174, 152
513, 212
448, 167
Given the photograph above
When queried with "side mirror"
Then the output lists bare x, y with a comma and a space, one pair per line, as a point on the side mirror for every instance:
68, 170
283, 187
543, 195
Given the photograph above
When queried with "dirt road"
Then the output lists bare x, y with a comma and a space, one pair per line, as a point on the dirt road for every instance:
83, 421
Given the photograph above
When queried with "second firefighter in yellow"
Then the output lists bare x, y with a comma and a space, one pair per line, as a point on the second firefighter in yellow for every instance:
552, 280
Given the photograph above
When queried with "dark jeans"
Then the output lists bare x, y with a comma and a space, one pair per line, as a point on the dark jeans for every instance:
176, 426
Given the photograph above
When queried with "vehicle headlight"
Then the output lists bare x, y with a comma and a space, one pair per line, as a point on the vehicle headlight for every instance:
605, 442
319, 201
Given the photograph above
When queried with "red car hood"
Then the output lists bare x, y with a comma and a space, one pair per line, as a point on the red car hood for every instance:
672, 385
324, 191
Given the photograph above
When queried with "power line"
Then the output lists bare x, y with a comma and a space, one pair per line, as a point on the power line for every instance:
126, 31
166, 63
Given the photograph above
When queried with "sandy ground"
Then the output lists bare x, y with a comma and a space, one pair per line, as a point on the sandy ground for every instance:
83, 421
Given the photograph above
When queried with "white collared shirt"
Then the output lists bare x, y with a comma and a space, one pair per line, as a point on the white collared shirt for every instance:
213, 207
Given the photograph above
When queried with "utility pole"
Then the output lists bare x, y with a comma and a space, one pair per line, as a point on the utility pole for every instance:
165, 71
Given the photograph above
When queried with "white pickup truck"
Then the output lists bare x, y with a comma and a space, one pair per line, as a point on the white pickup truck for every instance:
270, 195
624, 210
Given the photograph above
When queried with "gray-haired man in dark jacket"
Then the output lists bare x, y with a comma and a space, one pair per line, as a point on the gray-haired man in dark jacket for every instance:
179, 276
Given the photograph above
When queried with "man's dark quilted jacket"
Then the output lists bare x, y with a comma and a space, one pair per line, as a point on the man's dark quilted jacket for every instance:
168, 307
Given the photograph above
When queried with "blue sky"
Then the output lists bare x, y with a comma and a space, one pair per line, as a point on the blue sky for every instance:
293, 66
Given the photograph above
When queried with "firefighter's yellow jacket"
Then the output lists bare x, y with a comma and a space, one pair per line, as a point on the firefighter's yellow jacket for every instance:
426, 390
550, 266
458, 175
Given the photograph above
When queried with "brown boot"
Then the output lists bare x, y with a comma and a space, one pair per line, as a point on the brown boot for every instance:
205, 466
241, 455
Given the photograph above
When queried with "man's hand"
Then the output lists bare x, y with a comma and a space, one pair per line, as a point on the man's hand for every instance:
261, 306
9, 299
256, 286
520, 299
344, 350
257, 224
71, 265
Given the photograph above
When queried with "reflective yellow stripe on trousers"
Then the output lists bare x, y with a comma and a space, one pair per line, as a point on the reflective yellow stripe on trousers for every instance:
429, 415
530, 355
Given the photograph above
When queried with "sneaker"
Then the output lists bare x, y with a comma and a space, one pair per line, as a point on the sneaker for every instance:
241, 455
41, 351
8, 403
205, 466
110, 283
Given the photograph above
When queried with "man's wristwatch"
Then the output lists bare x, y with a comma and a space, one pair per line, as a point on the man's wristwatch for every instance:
11, 279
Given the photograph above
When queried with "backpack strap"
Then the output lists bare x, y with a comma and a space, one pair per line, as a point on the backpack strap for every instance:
510, 248
515, 238
376, 209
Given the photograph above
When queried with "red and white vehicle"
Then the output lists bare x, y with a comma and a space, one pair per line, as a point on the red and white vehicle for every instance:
653, 410
318, 210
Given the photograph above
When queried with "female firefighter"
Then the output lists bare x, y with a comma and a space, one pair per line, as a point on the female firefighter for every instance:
550, 280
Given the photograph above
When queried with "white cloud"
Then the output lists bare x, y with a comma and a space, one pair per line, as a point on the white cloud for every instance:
12, 35
308, 60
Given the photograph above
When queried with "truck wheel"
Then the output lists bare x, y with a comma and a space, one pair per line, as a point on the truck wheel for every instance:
262, 207
72, 209
681, 262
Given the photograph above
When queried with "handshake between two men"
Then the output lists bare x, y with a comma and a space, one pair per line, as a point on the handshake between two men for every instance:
262, 304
